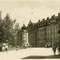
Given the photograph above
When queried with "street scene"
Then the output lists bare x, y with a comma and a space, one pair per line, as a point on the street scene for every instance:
29, 29
21, 54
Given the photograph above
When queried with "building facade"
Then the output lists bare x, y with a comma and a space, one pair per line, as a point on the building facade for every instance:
32, 34
44, 33
24, 36
25, 42
48, 31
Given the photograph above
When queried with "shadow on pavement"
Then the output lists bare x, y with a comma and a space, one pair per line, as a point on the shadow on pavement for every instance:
43, 57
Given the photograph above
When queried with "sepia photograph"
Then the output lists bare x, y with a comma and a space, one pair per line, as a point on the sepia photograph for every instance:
29, 29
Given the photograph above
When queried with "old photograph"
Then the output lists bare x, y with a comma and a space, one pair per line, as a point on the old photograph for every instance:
29, 29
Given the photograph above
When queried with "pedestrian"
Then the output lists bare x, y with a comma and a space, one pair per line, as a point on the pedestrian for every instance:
6, 48
58, 48
54, 49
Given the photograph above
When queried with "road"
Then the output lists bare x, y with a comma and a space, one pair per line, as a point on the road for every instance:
21, 53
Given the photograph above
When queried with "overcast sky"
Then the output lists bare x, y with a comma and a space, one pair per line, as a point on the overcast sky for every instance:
26, 10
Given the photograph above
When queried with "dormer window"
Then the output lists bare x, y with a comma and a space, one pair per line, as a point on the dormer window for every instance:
53, 17
43, 19
47, 18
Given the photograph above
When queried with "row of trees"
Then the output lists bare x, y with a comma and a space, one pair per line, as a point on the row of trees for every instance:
8, 30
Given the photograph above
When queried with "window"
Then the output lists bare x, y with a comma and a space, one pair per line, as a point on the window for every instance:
45, 33
44, 29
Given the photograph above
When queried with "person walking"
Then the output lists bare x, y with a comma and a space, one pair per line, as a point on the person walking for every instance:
58, 48
54, 49
6, 48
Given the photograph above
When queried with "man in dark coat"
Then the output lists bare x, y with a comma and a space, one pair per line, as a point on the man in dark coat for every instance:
58, 47
54, 49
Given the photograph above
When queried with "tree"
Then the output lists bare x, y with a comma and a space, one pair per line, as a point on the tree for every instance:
16, 34
6, 29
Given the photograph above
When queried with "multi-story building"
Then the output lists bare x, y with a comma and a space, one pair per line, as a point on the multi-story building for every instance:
45, 32
24, 36
41, 33
48, 31
32, 34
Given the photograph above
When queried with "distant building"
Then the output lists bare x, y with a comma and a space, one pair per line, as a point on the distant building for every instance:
43, 33
48, 31
32, 34
24, 36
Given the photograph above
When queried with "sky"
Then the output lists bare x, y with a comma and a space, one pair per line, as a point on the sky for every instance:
25, 10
